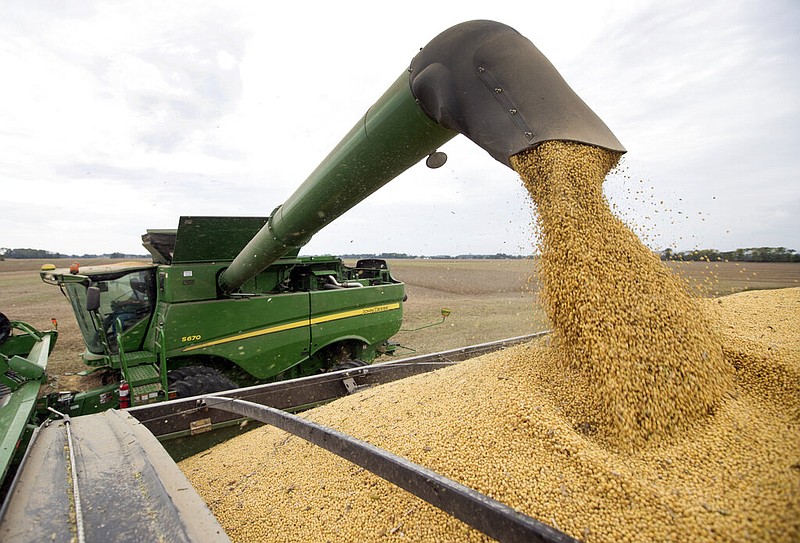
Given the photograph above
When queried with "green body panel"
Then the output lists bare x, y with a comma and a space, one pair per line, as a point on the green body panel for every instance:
264, 335
14, 418
188, 282
26, 348
91, 401
134, 338
366, 314
268, 334
209, 239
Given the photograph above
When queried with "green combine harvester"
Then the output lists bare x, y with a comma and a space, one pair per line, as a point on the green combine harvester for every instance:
168, 329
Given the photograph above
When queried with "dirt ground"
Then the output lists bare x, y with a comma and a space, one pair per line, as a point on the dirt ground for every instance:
24, 297
486, 299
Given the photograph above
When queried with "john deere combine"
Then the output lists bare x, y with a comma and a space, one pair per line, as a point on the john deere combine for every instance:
170, 326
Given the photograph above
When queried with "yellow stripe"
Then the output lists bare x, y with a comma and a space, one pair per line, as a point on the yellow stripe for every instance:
356, 313
298, 324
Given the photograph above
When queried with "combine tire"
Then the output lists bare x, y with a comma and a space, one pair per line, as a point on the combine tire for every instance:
5, 328
191, 381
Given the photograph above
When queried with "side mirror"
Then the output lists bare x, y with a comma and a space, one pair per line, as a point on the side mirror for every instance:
92, 299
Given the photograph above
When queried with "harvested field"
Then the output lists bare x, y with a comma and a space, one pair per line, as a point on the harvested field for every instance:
472, 289
721, 278
489, 300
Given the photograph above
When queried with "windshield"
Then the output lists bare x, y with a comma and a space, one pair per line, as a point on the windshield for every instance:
127, 299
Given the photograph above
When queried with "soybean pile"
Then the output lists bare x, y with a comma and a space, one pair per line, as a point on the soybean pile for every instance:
646, 415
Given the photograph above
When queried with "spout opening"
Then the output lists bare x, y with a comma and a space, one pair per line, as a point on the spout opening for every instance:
490, 83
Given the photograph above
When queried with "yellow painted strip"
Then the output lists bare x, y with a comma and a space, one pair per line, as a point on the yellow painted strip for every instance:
255, 333
298, 324
356, 313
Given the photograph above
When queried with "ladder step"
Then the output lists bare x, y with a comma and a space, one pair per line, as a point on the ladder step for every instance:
143, 375
140, 357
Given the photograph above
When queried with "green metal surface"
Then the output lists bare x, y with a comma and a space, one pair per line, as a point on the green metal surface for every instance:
18, 402
262, 335
92, 401
14, 417
143, 374
296, 319
205, 239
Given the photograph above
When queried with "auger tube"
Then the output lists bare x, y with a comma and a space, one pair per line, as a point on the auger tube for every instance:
480, 78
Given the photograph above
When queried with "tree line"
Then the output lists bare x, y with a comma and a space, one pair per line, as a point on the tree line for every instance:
749, 254
406, 256
41, 253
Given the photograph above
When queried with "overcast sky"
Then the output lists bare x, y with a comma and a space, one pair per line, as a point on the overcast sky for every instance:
116, 117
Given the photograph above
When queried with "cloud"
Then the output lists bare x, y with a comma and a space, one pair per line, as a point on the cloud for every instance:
137, 112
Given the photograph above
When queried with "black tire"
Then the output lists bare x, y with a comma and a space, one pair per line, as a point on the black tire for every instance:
185, 371
191, 381
5, 328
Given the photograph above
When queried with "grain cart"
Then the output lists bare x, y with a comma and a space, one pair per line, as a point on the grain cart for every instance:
228, 292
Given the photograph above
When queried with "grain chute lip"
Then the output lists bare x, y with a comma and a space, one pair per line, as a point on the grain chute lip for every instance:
485, 80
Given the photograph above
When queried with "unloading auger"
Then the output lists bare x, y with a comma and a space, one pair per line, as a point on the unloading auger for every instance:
480, 78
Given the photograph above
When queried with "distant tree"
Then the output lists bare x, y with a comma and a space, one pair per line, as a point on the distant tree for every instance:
748, 254
30, 253
710, 255
762, 254
395, 255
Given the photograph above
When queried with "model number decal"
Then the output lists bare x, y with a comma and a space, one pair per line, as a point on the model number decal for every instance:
196, 337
